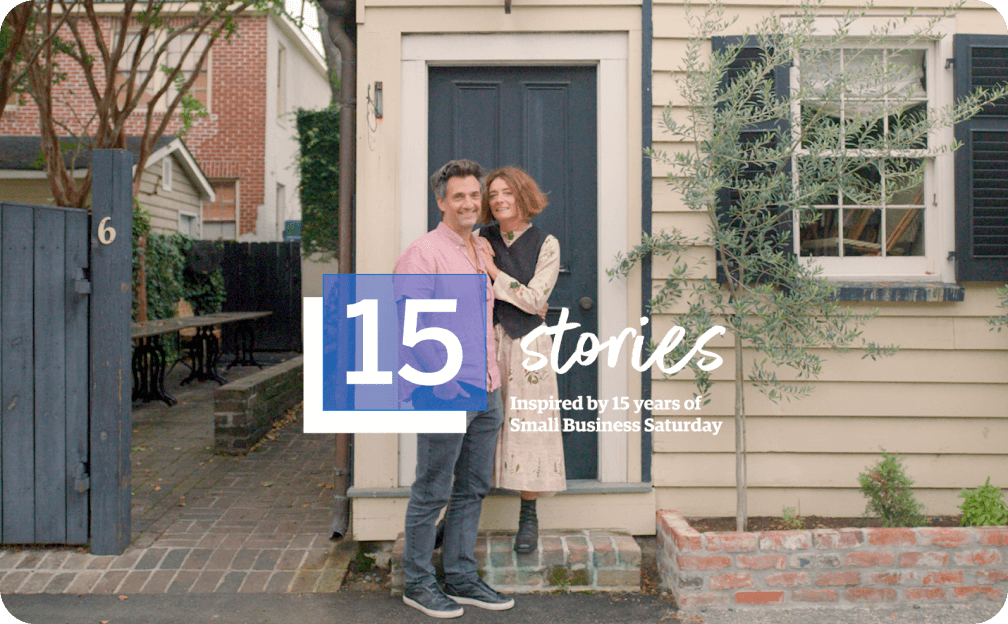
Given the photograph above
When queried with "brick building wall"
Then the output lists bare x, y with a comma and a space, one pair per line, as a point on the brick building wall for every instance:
227, 144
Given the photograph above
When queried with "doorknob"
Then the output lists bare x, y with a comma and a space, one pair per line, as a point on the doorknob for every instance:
586, 303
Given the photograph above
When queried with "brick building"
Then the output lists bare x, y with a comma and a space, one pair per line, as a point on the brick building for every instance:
247, 144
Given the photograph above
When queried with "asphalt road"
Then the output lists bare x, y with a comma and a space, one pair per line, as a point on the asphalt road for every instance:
372, 606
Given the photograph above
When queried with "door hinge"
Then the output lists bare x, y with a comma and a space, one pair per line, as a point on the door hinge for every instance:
82, 480
82, 283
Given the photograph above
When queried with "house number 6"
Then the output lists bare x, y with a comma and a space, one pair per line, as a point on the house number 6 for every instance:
106, 234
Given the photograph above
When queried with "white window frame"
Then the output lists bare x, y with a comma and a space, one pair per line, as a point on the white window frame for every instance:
166, 172
196, 222
158, 81
939, 196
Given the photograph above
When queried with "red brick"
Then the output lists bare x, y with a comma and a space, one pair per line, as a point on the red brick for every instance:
925, 593
815, 595
730, 542
943, 578
991, 576
760, 562
870, 594
869, 559
785, 540
891, 537
972, 592
850, 577
977, 557
787, 579
830, 539
701, 562
992, 536
702, 599
730, 581
944, 537
923, 560
759, 597
892, 577
688, 541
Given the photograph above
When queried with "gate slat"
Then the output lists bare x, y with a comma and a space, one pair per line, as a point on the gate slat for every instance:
50, 378
76, 377
18, 430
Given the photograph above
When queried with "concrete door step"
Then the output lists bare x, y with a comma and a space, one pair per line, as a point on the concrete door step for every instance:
565, 561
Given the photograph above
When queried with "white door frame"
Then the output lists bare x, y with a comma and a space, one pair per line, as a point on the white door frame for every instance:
609, 53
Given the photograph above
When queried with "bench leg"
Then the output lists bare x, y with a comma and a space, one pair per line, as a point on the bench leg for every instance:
148, 366
204, 352
244, 337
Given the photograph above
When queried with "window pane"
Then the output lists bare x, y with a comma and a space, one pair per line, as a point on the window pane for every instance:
904, 181
862, 232
904, 232
861, 184
818, 233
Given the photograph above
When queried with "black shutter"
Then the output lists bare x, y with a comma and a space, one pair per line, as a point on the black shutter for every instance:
981, 163
765, 133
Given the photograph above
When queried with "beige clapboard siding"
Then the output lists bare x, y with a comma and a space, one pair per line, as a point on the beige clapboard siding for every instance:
841, 435
858, 400
930, 471
911, 367
163, 205
835, 502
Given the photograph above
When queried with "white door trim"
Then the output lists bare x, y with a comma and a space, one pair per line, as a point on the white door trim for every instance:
609, 53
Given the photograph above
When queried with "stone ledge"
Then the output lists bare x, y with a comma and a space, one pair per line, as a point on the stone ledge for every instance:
564, 561
244, 409
900, 292
845, 567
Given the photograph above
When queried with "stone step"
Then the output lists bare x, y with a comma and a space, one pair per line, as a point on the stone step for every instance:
565, 561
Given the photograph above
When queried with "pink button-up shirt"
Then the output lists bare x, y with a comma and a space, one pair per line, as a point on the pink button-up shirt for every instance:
443, 251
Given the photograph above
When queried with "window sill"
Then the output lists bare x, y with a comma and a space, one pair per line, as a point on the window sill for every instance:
900, 292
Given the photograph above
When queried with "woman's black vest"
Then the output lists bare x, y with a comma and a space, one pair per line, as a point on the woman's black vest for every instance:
518, 261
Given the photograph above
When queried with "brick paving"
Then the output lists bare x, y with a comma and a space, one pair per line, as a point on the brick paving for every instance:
202, 522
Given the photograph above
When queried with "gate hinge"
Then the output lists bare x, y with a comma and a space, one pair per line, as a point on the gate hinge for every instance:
82, 285
82, 480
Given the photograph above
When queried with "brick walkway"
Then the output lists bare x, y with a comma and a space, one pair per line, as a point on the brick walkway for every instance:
206, 523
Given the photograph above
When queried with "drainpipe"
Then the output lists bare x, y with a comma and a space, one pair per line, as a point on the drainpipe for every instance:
342, 29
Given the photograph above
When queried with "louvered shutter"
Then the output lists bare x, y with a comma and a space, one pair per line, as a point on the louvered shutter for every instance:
981, 163
767, 133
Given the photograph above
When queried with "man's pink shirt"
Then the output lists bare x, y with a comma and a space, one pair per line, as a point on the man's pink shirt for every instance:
443, 251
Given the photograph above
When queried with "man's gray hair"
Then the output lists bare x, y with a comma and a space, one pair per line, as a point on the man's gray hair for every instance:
461, 168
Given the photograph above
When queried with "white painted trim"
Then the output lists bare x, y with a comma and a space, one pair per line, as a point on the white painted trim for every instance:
188, 163
609, 52
197, 221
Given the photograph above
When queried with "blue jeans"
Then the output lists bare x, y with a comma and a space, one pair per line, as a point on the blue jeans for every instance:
468, 458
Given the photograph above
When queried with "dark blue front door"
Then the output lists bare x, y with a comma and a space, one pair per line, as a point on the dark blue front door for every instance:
542, 119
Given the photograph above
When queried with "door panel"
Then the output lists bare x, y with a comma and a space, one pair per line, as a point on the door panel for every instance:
542, 119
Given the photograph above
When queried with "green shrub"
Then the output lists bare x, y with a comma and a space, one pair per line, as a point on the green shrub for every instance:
318, 164
887, 488
791, 518
983, 506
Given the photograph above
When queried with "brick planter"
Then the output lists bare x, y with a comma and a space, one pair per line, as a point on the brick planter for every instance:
245, 409
581, 561
843, 567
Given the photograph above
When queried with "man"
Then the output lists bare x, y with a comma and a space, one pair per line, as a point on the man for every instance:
452, 248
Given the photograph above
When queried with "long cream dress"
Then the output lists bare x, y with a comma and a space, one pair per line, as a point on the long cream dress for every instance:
529, 461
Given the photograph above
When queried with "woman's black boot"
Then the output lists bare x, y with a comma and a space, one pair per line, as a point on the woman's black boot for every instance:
528, 528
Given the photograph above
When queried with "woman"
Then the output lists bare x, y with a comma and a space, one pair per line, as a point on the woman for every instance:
523, 262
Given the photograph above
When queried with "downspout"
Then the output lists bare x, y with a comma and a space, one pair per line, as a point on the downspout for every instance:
342, 29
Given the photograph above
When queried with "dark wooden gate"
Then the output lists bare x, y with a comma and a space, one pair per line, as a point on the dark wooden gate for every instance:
64, 346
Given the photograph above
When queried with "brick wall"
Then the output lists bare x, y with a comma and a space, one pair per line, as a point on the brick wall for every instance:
245, 409
843, 567
229, 143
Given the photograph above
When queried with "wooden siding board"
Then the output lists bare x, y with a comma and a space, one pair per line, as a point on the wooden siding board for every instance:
77, 240
18, 367
50, 377
906, 366
862, 400
809, 470
839, 435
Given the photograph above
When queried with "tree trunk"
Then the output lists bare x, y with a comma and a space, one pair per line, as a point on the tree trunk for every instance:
741, 507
